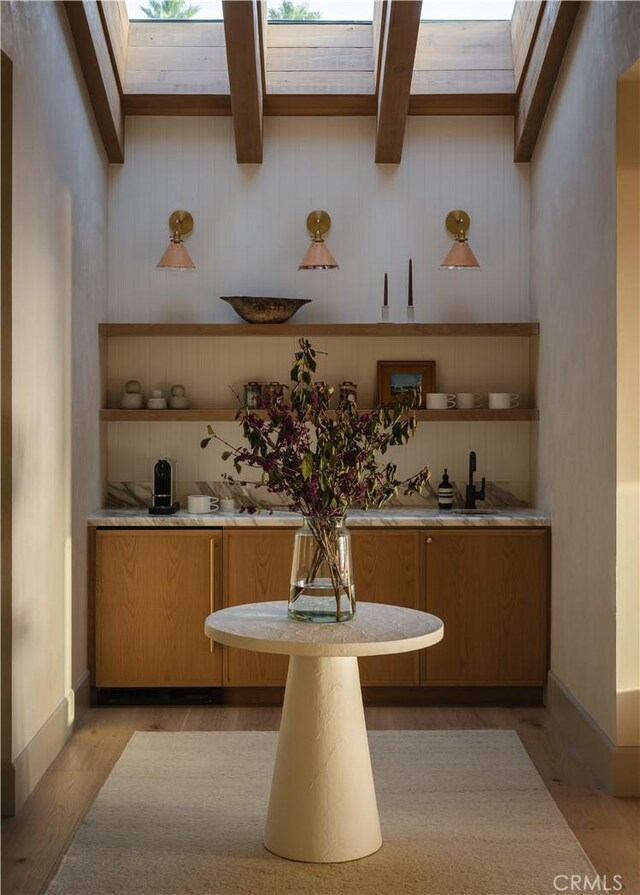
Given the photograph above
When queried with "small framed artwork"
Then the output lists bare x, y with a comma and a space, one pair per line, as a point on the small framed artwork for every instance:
396, 378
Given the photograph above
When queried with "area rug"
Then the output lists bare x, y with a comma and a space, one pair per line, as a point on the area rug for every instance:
461, 812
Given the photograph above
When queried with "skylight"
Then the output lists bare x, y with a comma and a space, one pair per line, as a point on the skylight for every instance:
322, 10
289, 10
466, 10
191, 10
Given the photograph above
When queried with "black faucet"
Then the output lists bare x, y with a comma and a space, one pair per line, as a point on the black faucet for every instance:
472, 493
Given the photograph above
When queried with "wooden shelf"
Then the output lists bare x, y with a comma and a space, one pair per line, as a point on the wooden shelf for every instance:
217, 415
385, 330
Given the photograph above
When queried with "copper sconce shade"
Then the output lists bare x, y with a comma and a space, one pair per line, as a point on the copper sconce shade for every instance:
176, 256
318, 256
460, 256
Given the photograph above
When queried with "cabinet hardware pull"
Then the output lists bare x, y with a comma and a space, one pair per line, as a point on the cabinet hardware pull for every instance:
429, 540
212, 553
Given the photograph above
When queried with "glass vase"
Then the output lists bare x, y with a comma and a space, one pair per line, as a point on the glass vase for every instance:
322, 587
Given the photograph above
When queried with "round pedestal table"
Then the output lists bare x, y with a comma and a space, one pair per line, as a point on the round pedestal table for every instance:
322, 806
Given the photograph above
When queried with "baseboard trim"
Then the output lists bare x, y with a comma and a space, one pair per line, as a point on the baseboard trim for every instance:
25, 772
617, 767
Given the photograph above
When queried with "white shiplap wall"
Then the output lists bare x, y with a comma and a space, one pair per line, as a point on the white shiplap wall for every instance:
250, 219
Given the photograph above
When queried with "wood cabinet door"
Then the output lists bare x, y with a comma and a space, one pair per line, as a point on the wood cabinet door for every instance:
154, 590
490, 588
257, 568
386, 568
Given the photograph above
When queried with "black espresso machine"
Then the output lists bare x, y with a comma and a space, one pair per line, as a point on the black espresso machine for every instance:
164, 481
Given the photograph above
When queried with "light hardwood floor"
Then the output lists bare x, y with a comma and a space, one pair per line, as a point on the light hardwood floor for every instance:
35, 840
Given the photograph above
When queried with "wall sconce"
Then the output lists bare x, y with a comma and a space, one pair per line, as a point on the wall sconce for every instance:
318, 256
176, 256
460, 256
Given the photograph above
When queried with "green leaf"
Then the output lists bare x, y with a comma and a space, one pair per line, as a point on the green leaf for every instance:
226, 455
306, 467
205, 442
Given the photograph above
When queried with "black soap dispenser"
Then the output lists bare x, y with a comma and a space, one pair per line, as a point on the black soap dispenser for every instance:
445, 493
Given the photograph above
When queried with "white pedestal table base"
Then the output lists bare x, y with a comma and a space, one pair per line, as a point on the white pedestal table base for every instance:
323, 806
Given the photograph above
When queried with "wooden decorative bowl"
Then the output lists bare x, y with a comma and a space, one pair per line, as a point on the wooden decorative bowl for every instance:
256, 309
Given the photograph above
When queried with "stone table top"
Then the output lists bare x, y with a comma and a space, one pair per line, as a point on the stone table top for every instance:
376, 629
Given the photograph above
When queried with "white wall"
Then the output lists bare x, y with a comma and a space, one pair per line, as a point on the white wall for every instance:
628, 435
250, 231
573, 294
59, 296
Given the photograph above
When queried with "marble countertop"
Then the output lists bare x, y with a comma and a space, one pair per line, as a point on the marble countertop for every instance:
400, 517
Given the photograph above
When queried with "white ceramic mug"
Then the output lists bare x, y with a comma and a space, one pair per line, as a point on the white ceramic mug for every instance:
503, 400
440, 401
202, 503
227, 505
468, 401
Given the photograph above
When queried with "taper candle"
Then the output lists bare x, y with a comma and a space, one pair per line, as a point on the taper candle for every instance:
385, 300
410, 299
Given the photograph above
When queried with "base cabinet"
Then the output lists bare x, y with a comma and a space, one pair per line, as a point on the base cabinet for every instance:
257, 568
386, 569
154, 589
153, 592
490, 588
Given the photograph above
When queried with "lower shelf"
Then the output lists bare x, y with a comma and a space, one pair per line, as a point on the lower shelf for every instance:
213, 415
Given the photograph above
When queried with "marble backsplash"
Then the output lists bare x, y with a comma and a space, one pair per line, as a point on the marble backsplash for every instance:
123, 495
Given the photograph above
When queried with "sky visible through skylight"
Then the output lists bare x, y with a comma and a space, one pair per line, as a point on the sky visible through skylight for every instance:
362, 10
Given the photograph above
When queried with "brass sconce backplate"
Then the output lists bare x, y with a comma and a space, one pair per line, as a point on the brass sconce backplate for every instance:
457, 221
182, 222
318, 222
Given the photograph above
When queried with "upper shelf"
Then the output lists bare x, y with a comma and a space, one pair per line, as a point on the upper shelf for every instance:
319, 329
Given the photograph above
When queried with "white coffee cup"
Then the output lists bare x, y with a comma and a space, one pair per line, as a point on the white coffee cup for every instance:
503, 400
468, 401
440, 401
201, 503
227, 505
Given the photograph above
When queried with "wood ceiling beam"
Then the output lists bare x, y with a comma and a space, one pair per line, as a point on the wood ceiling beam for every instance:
554, 31
524, 25
97, 67
115, 21
398, 51
242, 27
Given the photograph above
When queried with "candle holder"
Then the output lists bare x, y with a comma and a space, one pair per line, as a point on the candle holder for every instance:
384, 313
411, 316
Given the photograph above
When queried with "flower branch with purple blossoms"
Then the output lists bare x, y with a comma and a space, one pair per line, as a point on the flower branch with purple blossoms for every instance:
322, 462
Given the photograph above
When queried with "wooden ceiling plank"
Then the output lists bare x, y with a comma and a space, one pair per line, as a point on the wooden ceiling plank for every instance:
539, 79
97, 68
463, 45
295, 59
242, 23
325, 82
319, 35
175, 60
115, 20
524, 28
458, 82
176, 34
215, 83
398, 51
